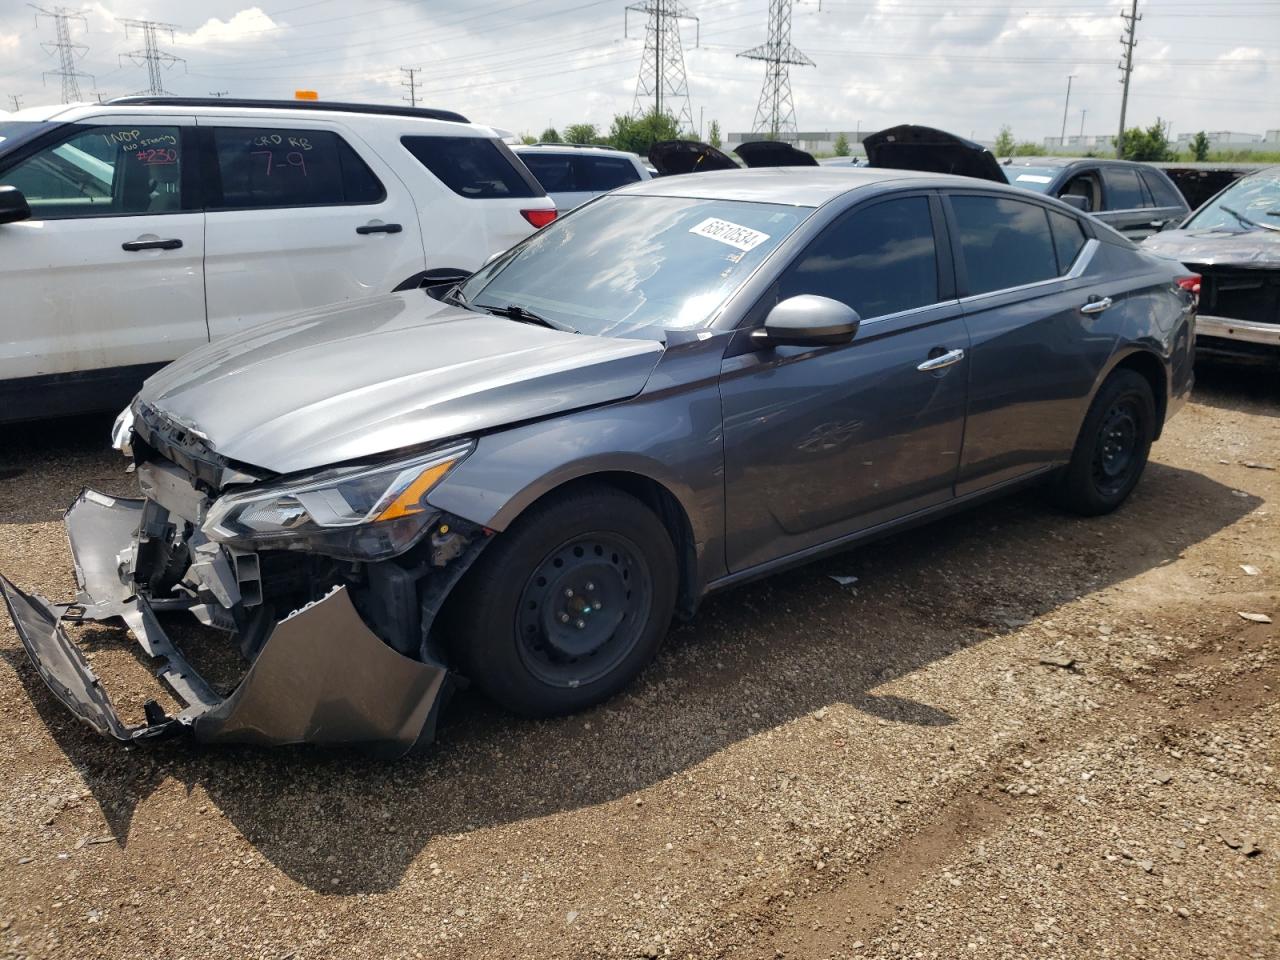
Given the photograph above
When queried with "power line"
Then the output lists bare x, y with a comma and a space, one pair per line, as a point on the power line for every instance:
776, 113
410, 81
151, 54
68, 52
1128, 40
662, 64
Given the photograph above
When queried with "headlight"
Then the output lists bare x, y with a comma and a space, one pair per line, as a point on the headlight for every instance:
357, 513
122, 432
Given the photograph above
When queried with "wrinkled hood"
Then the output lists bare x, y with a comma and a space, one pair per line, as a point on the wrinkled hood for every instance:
908, 147
358, 379
773, 153
1250, 248
670, 157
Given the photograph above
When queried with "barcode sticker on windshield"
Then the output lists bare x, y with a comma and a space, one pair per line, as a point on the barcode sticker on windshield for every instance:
1032, 178
734, 234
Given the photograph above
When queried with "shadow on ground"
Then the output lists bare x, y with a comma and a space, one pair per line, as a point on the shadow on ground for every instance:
754, 658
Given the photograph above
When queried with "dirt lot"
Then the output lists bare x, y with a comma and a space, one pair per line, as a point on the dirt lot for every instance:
809, 771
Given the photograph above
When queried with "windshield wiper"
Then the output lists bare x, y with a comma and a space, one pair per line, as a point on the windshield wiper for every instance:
1246, 221
514, 311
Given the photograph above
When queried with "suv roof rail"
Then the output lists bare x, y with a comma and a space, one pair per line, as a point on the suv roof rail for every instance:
577, 146
422, 113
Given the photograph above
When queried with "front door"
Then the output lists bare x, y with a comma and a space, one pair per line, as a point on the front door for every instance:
105, 280
823, 442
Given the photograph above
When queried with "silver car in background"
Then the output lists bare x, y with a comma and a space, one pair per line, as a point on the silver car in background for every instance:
573, 173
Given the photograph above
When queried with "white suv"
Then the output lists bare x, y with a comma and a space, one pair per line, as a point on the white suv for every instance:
135, 230
573, 173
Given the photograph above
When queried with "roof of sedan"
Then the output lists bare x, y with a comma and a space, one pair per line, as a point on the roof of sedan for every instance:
800, 186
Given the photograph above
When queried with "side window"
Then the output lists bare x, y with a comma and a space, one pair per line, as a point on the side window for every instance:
268, 167
1003, 242
879, 260
553, 170
1163, 192
605, 173
104, 171
1124, 192
1068, 239
473, 167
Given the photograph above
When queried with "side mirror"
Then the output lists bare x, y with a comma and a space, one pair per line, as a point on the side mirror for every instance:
1083, 204
13, 205
808, 321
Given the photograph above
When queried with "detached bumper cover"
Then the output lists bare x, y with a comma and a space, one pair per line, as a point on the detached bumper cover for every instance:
321, 677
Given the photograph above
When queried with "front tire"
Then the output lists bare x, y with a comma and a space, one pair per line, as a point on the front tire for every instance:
1111, 451
567, 605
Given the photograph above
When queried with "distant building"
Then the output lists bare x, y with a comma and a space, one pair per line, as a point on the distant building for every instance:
823, 142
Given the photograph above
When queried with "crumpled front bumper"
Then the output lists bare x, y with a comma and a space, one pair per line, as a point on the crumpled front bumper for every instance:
322, 676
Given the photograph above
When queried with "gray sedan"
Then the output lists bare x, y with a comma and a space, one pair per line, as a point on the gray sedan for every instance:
681, 386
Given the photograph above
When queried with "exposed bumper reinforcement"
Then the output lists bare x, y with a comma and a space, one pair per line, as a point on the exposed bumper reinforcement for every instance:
321, 677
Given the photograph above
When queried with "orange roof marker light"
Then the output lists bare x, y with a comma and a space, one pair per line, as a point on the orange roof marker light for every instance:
305, 95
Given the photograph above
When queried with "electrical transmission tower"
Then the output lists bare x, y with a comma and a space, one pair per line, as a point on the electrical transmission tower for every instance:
1129, 40
151, 54
68, 52
662, 74
410, 82
776, 113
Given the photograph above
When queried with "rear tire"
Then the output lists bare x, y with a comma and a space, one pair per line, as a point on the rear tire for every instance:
567, 605
1112, 448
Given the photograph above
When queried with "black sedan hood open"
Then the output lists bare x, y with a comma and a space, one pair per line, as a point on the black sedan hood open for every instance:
773, 153
670, 157
908, 147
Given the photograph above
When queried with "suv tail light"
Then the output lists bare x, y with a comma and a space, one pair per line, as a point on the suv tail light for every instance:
1191, 284
540, 218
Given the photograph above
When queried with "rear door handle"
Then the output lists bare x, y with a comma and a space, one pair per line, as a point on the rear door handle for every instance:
132, 245
1096, 305
379, 228
941, 361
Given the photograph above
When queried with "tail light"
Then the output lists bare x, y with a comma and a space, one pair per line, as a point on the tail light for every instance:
540, 218
1191, 284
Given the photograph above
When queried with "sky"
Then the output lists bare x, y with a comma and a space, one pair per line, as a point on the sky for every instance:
969, 66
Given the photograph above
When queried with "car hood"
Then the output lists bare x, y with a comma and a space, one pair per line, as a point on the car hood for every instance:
671, 157
908, 147
773, 153
1250, 248
358, 379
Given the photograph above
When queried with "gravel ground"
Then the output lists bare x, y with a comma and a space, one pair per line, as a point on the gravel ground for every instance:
809, 771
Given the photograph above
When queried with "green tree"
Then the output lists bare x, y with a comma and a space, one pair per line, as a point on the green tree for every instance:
581, 133
842, 146
638, 134
528, 138
1027, 149
1200, 147
1004, 143
1150, 144
713, 134
550, 135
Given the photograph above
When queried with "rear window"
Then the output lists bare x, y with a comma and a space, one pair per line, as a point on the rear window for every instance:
1163, 192
264, 167
473, 167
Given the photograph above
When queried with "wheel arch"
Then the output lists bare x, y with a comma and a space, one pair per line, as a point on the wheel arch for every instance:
1151, 367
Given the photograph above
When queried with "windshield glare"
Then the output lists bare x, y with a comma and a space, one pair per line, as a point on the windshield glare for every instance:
636, 265
1255, 198
1031, 178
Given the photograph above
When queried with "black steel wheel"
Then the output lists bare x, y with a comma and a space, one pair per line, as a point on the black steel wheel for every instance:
1111, 450
567, 605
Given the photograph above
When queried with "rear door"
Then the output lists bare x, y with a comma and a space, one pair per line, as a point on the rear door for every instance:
106, 277
1170, 207
1034, 355
1127, 206
298, 216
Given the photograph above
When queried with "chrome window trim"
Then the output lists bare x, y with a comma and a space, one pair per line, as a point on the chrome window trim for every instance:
906, 313
1075, 273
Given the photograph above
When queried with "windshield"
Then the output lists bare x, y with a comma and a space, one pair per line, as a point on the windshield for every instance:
14, 133
1031, 178
635, 265
1247, 204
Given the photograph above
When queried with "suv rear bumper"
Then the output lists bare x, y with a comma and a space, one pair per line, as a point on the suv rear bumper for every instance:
1247, 331
322, 676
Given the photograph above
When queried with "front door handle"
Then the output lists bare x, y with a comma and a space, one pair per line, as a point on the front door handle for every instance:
1096, 305
379, 228
132, 245
941, 361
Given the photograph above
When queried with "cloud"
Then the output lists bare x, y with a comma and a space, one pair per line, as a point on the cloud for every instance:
246, 26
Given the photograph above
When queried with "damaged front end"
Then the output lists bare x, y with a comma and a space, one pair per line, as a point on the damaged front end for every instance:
329, 586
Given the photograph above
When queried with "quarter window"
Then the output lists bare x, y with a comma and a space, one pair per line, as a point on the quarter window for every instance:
1124, 191
1003, 242
267, 167
104, 171
473, 167
878, 260
1068, 239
